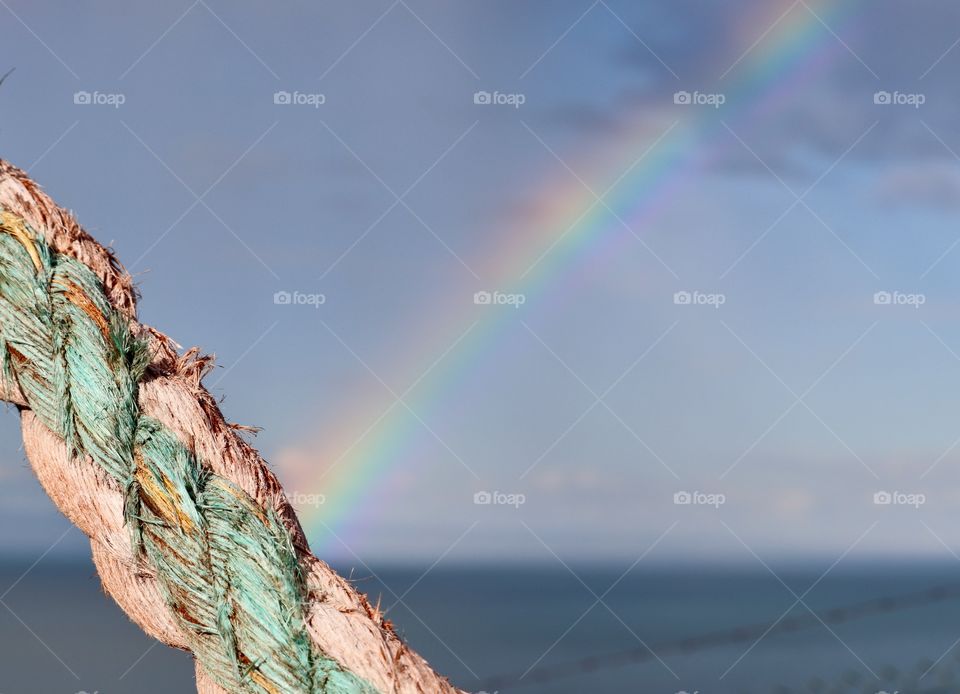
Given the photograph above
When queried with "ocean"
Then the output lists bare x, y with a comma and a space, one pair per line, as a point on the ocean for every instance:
539, 630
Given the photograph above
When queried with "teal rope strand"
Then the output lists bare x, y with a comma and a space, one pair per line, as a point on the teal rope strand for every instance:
225, 565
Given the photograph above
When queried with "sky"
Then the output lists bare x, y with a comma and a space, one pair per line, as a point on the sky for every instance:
719, 242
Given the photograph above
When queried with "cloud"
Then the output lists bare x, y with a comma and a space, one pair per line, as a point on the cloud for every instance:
816, 108
927, 183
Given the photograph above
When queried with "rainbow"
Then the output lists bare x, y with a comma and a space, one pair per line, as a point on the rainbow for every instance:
569, 227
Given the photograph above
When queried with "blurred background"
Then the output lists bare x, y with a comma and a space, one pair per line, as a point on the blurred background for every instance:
613, 346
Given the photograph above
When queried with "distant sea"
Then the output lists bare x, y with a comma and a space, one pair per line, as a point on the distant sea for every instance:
540, 630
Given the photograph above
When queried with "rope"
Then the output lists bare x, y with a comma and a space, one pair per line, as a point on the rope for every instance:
227, 569
182, 514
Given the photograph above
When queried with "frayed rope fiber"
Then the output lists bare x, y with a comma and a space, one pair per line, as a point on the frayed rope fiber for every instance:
226, 566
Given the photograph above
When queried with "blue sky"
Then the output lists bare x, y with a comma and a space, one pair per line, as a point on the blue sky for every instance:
719, 404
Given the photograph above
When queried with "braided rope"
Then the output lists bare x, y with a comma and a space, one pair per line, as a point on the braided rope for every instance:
226, 567
339, 621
